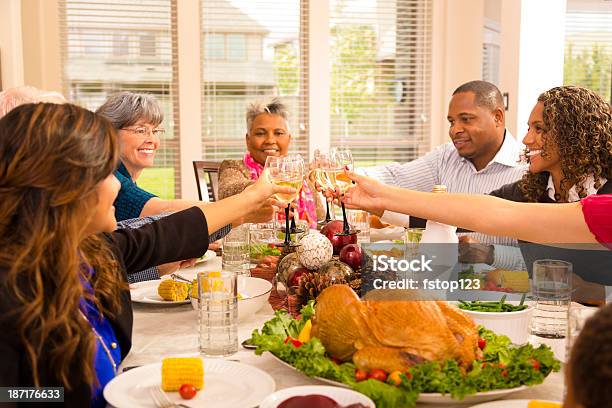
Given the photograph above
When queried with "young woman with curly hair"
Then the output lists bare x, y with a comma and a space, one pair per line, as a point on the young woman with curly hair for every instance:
569, 151
65, 312
569, 148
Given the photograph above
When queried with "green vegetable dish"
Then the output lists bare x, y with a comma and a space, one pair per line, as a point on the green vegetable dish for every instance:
501, 306
503, 366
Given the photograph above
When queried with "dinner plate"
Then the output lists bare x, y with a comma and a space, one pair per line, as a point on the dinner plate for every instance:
522, 403
434, 397
340, 395
227, 384
207, 256
146, 292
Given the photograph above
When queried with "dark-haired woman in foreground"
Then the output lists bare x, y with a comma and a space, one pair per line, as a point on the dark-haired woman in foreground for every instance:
65, 313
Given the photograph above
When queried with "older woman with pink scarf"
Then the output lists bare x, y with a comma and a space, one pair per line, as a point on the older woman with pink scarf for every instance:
267, 135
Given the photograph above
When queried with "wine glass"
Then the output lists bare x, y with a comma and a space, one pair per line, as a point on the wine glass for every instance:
286, 171
294, 230
317, 174
341, 159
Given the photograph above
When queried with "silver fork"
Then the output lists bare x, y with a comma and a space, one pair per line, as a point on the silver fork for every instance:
162, 400
179, 277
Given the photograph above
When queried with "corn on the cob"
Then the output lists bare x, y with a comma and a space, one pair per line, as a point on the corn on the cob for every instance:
172, 290
182, 370
518, 281
542, 404
495, 276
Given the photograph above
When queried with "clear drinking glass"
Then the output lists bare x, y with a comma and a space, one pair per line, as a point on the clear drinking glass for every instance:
236, 254
341, 158
360, 221
577, 317
263, 241
552, 288
412, 240
286, 171
218, 313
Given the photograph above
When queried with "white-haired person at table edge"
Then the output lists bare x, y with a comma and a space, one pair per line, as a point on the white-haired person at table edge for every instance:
65, 310
13, 97
137, 117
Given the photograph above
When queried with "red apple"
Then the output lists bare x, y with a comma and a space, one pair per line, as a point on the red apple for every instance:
338, 241
351, 255
294, 280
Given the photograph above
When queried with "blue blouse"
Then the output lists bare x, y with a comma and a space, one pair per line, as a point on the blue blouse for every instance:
102, 328
131, 199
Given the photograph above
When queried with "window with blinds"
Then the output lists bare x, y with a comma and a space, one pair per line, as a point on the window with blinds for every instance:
588, 45
115, 45
380, 83
251, 49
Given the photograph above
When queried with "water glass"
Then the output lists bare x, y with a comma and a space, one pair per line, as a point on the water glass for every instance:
360, 221
412, 239
552, 288
262, 237
236, 251
577, 317
218, 313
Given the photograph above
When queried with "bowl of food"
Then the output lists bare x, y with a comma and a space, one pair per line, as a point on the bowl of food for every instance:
321, 396
511, 318
253, 294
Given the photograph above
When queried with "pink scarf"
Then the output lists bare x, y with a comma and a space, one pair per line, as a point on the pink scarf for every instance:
306, 203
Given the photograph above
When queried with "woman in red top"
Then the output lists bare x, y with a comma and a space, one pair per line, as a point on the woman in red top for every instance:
588, 221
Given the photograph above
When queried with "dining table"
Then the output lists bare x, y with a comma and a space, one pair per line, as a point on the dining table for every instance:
172, 331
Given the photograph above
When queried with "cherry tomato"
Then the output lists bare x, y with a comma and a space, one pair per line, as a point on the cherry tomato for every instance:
535, 364
360, 375
482, 343
395, 378
378, 374
501, 365
504, 373
187, 391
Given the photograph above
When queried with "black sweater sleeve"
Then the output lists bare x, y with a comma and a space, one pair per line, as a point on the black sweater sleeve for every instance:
510, 192
182, 235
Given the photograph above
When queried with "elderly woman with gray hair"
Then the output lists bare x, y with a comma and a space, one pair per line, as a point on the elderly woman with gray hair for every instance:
137, 119
267, 135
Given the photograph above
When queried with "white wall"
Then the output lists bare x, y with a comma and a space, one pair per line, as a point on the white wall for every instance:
11, 50
541, 47
42, 63
532, 44
457, 56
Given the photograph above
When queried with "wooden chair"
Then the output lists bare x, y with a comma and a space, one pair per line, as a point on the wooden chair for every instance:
207, 178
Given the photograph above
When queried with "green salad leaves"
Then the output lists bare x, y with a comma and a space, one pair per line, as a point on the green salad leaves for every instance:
504, 365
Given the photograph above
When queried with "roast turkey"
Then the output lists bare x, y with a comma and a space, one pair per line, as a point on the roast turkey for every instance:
392, 334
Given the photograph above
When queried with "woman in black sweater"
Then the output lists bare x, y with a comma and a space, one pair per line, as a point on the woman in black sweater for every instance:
569, 151
65, 312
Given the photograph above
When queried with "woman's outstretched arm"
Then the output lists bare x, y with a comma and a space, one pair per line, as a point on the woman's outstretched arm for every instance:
542, 223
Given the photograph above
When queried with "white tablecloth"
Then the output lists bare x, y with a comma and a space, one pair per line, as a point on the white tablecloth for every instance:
163, 331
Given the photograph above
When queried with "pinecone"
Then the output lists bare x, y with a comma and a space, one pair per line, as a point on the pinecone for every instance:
313, 283
355, 284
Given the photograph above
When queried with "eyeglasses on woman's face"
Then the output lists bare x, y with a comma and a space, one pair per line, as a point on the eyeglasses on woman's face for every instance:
143, 131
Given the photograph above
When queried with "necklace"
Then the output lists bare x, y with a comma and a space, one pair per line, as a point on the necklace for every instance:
104, 346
